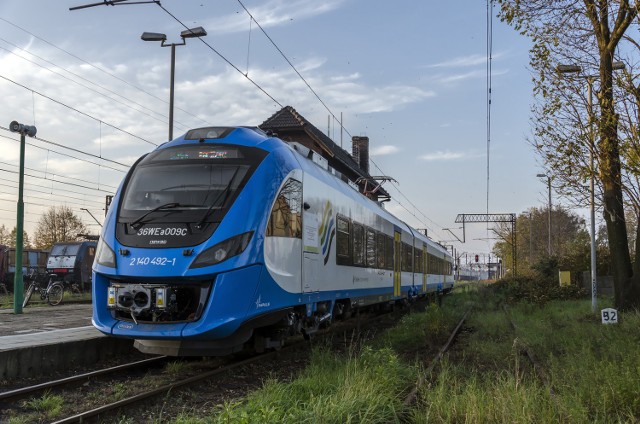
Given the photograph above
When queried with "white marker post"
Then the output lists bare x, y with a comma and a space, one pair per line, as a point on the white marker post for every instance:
609, 316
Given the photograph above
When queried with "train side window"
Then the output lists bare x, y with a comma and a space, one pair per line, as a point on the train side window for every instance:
388, 252
286, 216
358, 244
407, 258
417, 260
371, 248
380, 251
343, 253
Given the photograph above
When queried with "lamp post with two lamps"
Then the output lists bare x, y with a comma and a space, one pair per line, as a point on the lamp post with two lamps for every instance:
572, 69
18, 283
155, 36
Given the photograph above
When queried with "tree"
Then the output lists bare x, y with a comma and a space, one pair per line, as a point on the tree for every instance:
569, 240
56, 225
26, 243
5, 236
587, 33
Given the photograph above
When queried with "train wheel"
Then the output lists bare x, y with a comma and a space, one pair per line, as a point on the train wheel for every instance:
56, 291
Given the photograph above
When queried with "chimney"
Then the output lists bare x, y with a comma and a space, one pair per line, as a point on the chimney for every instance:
361, 152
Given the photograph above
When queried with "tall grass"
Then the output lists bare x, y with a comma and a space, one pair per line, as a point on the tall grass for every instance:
334, 389
594, 370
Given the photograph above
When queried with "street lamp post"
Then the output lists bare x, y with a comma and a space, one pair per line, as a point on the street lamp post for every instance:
155, 36
549, 185
18, 283
568, 69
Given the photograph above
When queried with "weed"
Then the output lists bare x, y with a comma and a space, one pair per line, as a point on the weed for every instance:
49, 405
176, 367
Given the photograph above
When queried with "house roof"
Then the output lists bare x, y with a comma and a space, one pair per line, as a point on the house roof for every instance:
288, 119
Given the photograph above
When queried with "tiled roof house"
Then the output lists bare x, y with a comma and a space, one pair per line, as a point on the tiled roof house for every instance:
289, 125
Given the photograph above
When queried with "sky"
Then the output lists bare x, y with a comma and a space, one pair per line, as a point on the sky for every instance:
410, 75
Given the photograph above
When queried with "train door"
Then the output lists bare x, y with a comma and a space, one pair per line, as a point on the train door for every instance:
86, 256
314, 217
397, 263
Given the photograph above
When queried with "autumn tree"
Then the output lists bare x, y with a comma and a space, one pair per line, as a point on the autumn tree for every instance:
569, 240
5, 236
58, 224
566, 131
26, 242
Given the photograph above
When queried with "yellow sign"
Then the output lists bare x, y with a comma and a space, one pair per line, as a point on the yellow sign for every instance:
565, 278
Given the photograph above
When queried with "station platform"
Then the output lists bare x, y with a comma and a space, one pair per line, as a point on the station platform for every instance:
47, 339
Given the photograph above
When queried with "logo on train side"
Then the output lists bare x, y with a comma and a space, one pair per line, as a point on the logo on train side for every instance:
261, 304
327, 231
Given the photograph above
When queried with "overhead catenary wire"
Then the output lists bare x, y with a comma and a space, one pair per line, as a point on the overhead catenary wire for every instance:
238, 70
77, 110
98, 68
92, 89
31, 144
221, 56
53, 174
58, 181
253, 19
29, 187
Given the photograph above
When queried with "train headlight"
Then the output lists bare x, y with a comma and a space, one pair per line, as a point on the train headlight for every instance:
223, 250
105, 255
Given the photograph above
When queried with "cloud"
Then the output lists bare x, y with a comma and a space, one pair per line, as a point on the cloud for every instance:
442, 156
464, 61
384, 150
271, 14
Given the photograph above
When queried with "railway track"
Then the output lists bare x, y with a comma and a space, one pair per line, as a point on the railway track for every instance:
36, 389
412, 396
163, 390
132, 402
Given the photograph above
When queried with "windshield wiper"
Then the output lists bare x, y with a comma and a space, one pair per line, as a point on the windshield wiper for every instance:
224, 192
138, 222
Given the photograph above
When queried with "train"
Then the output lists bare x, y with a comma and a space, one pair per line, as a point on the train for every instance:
228, 238
33, 261
72, 262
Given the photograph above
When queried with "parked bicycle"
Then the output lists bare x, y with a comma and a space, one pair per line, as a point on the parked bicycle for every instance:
52, 293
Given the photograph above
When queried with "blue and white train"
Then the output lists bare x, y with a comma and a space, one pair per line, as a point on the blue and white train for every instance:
228, 238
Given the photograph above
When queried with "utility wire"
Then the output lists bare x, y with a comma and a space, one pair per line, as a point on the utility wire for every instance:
92, 89
223, 57
77, 110
57, 181
290, 64
322, 102
67, 155
29, 187
101, 69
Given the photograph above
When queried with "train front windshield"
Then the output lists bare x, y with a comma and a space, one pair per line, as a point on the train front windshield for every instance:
192, 186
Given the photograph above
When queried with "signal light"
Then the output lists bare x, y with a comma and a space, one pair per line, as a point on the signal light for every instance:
476, 258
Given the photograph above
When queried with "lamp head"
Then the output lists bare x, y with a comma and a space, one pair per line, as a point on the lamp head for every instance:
153, 36
29, 130
193, 32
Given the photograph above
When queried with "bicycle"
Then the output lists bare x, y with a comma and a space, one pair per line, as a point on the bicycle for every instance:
53, 293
